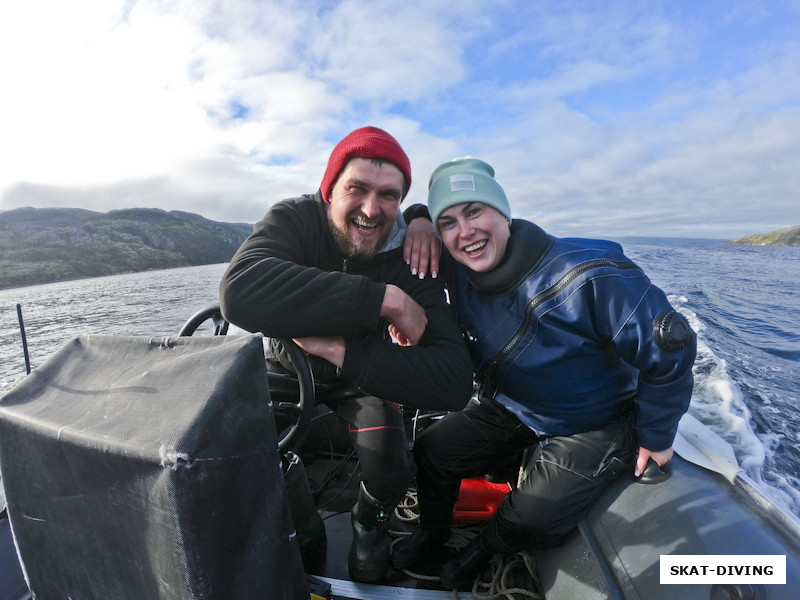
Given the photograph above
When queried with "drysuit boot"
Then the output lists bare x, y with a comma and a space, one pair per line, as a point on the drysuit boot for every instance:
420, 548
461, 570
436, 503
369, 553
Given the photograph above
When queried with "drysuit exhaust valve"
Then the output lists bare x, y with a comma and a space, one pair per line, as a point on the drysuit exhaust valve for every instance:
671, 331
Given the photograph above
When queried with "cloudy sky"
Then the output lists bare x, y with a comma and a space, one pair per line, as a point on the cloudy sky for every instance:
605, 119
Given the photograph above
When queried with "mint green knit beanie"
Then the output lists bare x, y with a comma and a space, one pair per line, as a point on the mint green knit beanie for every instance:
464, 180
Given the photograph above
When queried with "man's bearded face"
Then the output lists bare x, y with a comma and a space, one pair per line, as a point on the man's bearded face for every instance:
364, 203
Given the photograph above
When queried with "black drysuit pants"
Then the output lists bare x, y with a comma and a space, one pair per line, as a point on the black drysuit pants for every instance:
376, 429
564, 475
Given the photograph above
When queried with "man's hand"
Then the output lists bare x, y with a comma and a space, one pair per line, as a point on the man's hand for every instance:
662, 457
331, 348
402, 311
422, 248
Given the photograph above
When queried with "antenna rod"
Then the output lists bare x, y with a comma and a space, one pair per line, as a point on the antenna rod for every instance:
24, 339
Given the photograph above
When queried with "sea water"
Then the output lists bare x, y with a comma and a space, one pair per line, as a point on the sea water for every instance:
741, 300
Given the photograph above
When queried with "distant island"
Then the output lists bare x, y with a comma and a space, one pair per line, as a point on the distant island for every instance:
789, 236
44, 245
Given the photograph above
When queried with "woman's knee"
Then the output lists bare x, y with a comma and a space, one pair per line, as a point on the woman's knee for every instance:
389, 485
432, 456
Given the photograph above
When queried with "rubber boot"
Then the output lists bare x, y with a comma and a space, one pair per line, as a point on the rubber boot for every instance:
461, 570
369, 553
436, 503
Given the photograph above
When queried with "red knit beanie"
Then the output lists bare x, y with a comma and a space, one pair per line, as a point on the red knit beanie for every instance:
366, 142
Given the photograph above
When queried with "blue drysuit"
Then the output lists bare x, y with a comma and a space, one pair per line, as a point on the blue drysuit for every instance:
570, 324
569, 338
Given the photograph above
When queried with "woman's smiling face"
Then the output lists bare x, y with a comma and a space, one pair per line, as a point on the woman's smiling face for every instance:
475, 234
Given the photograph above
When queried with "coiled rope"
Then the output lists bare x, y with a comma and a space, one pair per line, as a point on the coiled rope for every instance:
503, 572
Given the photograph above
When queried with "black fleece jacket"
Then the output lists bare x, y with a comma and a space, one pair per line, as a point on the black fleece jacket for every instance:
289, 279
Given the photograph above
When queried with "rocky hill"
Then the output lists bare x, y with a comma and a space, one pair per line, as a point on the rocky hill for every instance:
790, 236
42, 245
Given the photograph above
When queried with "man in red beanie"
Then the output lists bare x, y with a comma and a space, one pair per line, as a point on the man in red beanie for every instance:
328, 271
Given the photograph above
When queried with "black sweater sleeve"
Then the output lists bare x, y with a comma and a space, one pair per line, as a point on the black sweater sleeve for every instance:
436, 374
282, 283
416, 211
286, 281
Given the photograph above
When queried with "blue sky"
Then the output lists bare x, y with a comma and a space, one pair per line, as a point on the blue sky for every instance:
603, 119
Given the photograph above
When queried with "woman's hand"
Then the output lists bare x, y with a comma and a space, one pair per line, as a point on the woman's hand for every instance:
422, 248
662, 457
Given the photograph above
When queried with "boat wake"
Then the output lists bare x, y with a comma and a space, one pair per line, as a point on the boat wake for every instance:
719, 401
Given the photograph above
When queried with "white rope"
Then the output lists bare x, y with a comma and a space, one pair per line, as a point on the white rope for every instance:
499, 588
502, 567
407, 510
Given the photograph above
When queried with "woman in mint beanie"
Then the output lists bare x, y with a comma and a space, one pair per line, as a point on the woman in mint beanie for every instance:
465, 180
578, 358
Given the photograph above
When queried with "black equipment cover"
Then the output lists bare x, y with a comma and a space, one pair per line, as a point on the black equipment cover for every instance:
148, 469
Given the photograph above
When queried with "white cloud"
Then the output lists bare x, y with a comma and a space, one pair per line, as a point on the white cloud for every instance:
371, 53
599, 120
101, 101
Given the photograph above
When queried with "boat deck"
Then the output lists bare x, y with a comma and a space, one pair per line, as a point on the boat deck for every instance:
336, 501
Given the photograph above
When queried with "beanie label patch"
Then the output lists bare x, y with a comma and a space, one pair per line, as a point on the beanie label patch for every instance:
463, 182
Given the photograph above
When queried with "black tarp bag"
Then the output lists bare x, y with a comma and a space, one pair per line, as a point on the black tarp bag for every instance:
139, 468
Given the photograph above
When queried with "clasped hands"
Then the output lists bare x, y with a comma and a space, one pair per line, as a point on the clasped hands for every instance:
407, 319
407, 323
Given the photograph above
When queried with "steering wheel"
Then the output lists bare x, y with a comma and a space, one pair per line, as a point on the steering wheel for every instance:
295, 416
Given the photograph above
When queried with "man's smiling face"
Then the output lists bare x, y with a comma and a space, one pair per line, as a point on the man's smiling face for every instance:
363, 206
